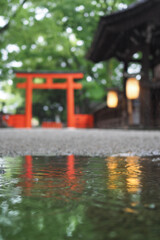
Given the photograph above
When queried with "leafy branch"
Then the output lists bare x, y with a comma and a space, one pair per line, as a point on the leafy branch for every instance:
7, 25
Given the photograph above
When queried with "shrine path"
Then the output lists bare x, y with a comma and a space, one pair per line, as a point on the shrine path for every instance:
92, 142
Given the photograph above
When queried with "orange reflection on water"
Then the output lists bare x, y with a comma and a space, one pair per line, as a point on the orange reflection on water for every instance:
28, 174
56, 178
112, 164
73, 178
70, 167
28, 166
133, 174
124, 173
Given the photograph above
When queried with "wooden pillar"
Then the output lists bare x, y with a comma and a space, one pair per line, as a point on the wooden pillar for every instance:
125, 101
130, 112
49, 82
125, 68
28, 109
145, 94
70, 102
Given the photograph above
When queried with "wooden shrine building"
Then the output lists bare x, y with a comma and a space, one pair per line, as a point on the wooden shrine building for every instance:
122, 34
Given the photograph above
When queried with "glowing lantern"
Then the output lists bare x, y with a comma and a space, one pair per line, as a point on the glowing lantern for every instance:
112, 99
132, 88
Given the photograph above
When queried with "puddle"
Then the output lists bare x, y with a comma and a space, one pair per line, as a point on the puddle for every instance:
80, 198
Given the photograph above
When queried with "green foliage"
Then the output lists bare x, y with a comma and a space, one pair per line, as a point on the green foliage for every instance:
55, 35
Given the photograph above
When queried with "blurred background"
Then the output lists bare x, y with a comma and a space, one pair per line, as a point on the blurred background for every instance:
54, 36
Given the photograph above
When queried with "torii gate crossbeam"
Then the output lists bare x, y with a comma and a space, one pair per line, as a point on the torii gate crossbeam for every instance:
69, 85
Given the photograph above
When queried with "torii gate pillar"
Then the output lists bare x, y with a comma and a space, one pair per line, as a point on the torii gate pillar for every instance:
28, 107
70, 103
69, 85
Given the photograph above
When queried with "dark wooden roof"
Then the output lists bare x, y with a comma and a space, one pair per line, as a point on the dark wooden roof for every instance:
125, 32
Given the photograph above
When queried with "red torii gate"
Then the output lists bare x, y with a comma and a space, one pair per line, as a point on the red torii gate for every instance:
69, 85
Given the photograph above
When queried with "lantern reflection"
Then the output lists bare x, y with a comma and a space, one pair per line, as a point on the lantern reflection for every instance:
124, 174
112, 164
133, 174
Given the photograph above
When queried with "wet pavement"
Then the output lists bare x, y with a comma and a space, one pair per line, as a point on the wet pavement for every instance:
72, 197
91, 142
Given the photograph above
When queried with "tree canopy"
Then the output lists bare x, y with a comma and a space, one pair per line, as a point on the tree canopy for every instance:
54, 35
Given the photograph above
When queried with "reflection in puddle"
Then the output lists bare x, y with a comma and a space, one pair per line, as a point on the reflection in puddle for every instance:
133, 174
79, 197
125, 172
52, 178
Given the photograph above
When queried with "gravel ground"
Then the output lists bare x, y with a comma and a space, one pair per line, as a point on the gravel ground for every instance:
92, 142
